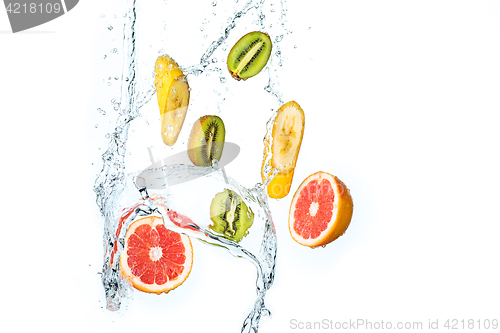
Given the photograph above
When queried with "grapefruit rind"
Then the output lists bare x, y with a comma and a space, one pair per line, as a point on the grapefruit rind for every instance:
341, 212
126, 271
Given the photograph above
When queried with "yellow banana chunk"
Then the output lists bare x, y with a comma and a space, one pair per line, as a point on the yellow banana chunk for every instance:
287, 133
172, 92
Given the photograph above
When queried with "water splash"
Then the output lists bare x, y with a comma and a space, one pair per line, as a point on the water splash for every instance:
121, 200
132, 199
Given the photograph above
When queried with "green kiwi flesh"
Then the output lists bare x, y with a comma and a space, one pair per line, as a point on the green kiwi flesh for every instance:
208, 143
249, 55
230, 215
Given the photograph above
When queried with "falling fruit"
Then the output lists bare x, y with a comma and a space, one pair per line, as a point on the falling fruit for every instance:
155, 259
206, 141
321, 210
172, 91
249, 55
287, 133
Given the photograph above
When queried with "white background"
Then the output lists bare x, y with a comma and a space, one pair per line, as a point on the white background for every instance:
401, 101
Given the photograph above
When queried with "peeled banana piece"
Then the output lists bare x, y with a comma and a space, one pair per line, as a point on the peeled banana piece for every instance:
172, 92
287, 133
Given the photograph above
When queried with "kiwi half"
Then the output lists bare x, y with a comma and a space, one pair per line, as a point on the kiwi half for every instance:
230, 215
206, 140
249, 55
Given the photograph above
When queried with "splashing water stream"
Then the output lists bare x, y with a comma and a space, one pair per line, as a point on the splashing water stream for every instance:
123, 196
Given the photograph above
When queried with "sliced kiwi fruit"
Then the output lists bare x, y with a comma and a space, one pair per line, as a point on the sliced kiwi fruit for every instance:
249, 55
230, 215
206, 140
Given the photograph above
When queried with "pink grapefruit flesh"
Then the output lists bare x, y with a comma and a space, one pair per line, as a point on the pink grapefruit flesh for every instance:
321, 210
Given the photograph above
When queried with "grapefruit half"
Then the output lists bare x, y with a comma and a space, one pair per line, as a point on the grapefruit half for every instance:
155, 259
321, 210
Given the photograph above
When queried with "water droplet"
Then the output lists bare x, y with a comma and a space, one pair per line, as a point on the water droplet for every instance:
102, 15
265, 312
114, 16
214, 3
170, 128
295, 46
179, 115
114, 50
107, 136
222, 79
109, 83
105, 56
101, 111
116, 77
113, 100
110, 27
205, 36
202, 29
96, 125
272, 10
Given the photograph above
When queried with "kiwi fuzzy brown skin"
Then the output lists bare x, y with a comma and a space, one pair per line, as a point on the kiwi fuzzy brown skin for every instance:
230, 215
208, 133
253, 65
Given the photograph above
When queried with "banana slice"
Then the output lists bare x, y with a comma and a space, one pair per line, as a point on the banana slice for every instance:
172, 91
287, 133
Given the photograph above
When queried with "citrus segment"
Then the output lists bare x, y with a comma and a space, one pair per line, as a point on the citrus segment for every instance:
155, 259
321, 210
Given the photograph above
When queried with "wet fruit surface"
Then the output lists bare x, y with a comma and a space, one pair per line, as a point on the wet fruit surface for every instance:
230, 215
173, 93
206, 141
287, 134
321, 210
155, 259
314, 209
249, 55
